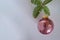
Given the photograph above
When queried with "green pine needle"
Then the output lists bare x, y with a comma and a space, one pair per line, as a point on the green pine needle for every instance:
37, 11
36, 2
46, 2
46, 10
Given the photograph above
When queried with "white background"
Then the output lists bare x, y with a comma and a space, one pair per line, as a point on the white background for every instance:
17, 23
